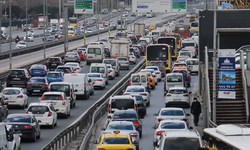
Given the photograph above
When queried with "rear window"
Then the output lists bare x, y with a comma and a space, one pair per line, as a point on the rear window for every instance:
94, 75
98, 69
11, 92
185, 54
192, 62
54, 59
188, 44
123, 115
61, 88
112, 62
16, 72
135, 90
38, 109
115, 140
120, 127
122, 103
173, 125
152, 68
123, 59
96, 51
172, 113
135, 79
180, 71
175, 78
18, 119
54, 75
177, 91
37, 67
51, 97
35, 80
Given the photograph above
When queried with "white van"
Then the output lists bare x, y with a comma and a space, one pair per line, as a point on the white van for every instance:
115, 65
188, 42
173, 80
193, 65
185, 52
95, 54
100, 68
80, 82
67, 88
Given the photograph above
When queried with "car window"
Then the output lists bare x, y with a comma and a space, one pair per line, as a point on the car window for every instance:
177, 91
61, 88
37, 67
172, 113
122, 59
174, 143
54, 60
54, 75
180, 65
11, 92
51, 97
94, 75
115, 140
172, 125
180, 71
98, 69
174, 78
120, 127
135, 90
122, 103
192, 62
112, 62
16, 72
185, 54
18, 119
96, 51
35, 80
38, 109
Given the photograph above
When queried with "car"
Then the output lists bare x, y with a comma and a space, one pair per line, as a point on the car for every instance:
124, 62
53, 62
143, 43
182, 59
133, 15
91, 86
177, 96
21, 44
171, 113
115, 65
115, 141
65, 69
153, 73
177, 64
82, 30
54, 28
140, 79
126, 128
27, 27
37, 85
17, 77
169, 125
141, 105
59, 100
45, 112
46, 35
128, 115
151, 79
58, 33
54, 76
132, 58
72, 57
3, 109
30, 38
160, 65
38, 70
127, 19
81, 54
141, 48
15, 96
111, 72
84, 51
186, 75
76, 67
89, 31
138, 90
157, 72
97, 80
114, 11
50, 38
27, 124
173, 80
187, 15
31, 32
101, 28
71, 34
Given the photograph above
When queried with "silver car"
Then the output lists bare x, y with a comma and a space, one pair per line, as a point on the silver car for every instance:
21, 44
124, 62
125, 127
72, 57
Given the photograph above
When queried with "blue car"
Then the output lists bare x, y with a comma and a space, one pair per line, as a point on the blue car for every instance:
55, 76
38, 70
186, 76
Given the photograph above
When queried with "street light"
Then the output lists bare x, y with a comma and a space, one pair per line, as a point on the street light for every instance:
10, 38
26, 21
45, 22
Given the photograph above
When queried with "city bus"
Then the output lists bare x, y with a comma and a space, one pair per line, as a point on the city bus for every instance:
73, 21
161, 52
192, 18
178, 38
171, 41
227, 137
194, 26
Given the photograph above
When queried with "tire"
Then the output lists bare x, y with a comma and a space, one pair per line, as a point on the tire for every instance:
145, 113
104, 87
53, 125
74, 104
71, 105
69, 113
140, 134
19, 147
34, 138
166, 105
128, 68
137, 147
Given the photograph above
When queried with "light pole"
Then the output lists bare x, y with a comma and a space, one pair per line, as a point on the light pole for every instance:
10, 38
65, 9
45, 22
1, 16
97, 11
26, 39
60, 8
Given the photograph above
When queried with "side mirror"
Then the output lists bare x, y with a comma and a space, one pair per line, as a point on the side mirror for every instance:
188, 115
39, 121
109, 117
69, 98
75, 90
95, 142
155, 114
189, 93
191, 128
135, 142
103, 129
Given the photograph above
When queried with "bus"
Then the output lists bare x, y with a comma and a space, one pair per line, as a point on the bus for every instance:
178, 38
121, 24
171, 41
161, 52
227, 137
194, 26
192, 18
73, 21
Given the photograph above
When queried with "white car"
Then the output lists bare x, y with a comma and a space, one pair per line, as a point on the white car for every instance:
157, 72
30, 38
49, 30
177, 96
152, 72
15, 144
59, 101
76, 67
44, 112
138, 90
21, 44
31, 32
169, 125
171, 113
132, 58
89, 31
187, 15
15, 96
101, 28
97, 79
111, 71
130, 33
82, 29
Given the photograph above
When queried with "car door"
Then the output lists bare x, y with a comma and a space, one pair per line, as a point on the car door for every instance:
36, 125
54, 112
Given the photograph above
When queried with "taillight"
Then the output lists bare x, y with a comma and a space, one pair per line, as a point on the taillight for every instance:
111, 70
27, 127
23, 77
49, 114
26, 112
143, 94
127, 62
109, 107
143, 50
99, 80
20, 96
77, 68
184, 119
150, 79
141, 105
130, 82
187, 76
153, 75
30, 71
71, 92
135, 107
133, 57
9, 76
126, 94
168, 95
159, 133
29, 85
101, 149
159, 120
44, 71
76, 57
60, 63
185, 95
158, 73
45, 85
136, 123
63, 102
133, 134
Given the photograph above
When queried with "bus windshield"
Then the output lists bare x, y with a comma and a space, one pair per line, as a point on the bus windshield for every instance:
158, 53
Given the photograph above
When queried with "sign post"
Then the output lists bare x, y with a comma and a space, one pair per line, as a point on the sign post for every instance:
179, 6
83, 6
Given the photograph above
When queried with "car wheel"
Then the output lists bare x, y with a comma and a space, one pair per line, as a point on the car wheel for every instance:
145, 112
71, 105
74, 104
34, 138
19, 147
137, 147
53, 125
93, 92
103, 87
140, 134
39, 136
166, 105
128, 68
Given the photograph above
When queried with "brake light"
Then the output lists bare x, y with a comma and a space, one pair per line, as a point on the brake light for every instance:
30, 71
130, 82
71, 92
45, 85
153, 75
162, 67
187, 76
23, 77
185, 95
143, 94
136, 123
184, 119
29, 85
49, 114
168, 95
9, 76
26, 112
44, 71
77, 68
159, 133
99, 80
47, 63
60, 63
127, 62
109, 108
111, 70
63, 102
20, 96
159, 120
133, 134
101, 149
141, 105
27, 127
133, 57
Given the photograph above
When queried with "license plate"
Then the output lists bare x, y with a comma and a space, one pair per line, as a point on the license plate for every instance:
53, 64
16, 78
10, 102
36, 90
90, 57
177, 99
37, 72
38, 115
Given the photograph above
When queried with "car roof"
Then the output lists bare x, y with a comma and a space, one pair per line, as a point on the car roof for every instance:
50, 93
13, 88
135, 86
115, 136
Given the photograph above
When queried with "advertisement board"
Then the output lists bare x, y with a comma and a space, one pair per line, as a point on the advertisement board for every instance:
227, 74
83, 6
151, 6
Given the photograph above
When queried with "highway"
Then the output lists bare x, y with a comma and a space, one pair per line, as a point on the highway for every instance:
82, 105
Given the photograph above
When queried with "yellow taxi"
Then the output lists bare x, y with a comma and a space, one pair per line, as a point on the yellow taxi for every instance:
114, 11
151, 79
115, 141
182, 58
71, 34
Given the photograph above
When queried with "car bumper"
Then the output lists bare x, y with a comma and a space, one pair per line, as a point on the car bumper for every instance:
36, 90
178, 103
124, 66
99, 84
45, 121
15, 102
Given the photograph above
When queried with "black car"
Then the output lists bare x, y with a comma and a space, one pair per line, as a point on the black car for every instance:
128, 115
37, 85
141, 105
141, 49
65, 69
17, 78
3, 110
26, 124
53, 62
107, 52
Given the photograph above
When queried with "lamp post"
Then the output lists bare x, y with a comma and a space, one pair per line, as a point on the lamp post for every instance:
10, 38
1, 16
45, 22
60, 8
26, 36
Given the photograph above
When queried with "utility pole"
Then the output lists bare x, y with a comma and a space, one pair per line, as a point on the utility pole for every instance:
1, 17
26, 16
98, 20
45, 22
60, 8
10, 38
65, 28
84, 34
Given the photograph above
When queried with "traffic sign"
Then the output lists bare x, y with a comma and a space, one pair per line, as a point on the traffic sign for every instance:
151, 6
179, 5
83, 6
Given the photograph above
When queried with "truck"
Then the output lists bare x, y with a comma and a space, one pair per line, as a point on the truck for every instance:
119, 48
42, 22
54, 22
3, 33
61, 22
139, 29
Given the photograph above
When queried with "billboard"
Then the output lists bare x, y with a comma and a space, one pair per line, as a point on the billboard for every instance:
151, 6
227, 74
83, 6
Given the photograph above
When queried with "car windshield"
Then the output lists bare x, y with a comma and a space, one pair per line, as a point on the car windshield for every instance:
71, 64
142, 42
35, 80
115, 140
98, 69
173, 143
60, 88
177, 91
122, 59
11, 92
173, 125
192, 62
94, 75
51, 97
20, 118
120, 127
174, 78
122, 103
21, 43
38, 109
71, 54
135, 90
188, 44
172, 113
54, 75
